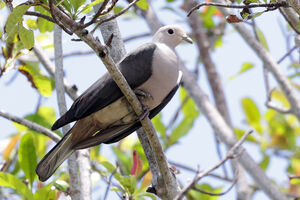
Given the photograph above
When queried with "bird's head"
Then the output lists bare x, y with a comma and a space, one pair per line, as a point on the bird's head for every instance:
171, 35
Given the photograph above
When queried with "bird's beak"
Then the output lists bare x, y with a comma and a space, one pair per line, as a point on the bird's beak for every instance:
187, 39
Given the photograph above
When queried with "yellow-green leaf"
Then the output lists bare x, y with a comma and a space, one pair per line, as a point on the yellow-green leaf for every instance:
262, 39
252, 114
27, 156
10, 181
26, 36
11, 26
279, 96
142, 4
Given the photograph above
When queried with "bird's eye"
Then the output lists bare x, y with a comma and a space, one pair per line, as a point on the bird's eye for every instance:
170, 31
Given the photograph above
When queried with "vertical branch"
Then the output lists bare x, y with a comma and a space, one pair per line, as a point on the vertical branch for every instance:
243, 190
79, 186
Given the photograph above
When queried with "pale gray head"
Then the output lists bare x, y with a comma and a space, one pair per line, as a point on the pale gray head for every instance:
171, 35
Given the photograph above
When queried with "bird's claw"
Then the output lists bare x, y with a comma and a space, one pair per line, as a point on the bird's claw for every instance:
145, 113
141, 94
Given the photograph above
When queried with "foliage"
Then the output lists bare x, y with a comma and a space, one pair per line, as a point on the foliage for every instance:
276, 134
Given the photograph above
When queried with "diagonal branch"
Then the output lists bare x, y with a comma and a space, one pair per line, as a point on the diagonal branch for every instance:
232, 153
170, 188
31, 125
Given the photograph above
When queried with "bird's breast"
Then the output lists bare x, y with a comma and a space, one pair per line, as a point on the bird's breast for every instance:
164, 76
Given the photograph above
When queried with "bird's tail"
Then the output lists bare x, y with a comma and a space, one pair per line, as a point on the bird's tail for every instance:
55, 157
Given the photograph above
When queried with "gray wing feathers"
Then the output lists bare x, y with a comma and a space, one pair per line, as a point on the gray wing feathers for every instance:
135, 67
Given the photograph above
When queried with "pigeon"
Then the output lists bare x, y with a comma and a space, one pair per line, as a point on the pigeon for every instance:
103, 114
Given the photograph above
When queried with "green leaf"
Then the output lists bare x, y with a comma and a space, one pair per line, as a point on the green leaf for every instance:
8, 180
262, 39
245, 67
43, 24
252, 114
11, 26
265, 162
76, 4
280, 97
89, 6
61, 185
142, 4
189, 108
26, 36
32, 24
207, 17
123, 158
42, 83
181, 130
45, 193
239, 133
27, 157
110, 168
205, 187
159, 126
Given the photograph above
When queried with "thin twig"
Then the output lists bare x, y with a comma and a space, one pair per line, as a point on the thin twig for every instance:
36, 14
287, 54
114, 16
109, 183
230, 155
31, 125
98, 13
235, 179
254, 5
136, 37
278, 109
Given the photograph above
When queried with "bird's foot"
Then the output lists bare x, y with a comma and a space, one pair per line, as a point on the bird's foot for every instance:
141, 94
145, 113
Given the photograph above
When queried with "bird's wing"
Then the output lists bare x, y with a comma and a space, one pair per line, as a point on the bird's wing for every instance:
115, 134
136, 67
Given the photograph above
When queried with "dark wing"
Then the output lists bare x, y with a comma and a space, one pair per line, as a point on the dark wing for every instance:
135, 67
115, 134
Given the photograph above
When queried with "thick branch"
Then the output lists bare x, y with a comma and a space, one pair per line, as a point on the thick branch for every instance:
103, 53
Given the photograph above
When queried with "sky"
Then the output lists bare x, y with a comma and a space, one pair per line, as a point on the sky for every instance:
197, 149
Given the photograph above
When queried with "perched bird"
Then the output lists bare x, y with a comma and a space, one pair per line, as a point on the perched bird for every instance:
102, 112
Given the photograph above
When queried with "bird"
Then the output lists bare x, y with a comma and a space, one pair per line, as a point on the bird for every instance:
102, 113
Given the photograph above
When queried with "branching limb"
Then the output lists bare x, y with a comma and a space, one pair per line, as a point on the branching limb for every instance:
272, 6
232, 153
234, 181
101, 21
31, 125
271, 105
36, 14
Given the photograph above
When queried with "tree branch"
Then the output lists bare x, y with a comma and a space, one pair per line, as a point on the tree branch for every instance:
272, 6
70, 89
103, 54
232, 153
30, 13
101, 21
31, 125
